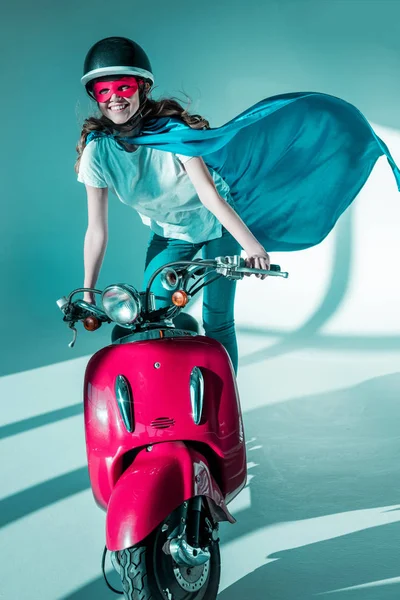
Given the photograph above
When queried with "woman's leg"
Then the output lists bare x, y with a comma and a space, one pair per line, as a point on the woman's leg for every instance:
161, 250
219, 297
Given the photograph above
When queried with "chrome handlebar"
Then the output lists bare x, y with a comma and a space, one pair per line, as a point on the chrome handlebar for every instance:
234, 267
231, 267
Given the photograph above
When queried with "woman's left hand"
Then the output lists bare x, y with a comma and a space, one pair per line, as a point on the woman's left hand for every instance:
259, 260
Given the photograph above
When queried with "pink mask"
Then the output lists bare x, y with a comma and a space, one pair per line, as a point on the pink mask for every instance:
124, 87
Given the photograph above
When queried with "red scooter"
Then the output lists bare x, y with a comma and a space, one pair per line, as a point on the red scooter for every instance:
164, 432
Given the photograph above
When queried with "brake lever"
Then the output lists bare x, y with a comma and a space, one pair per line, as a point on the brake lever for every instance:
234, 267
269, 272
79, 310
75, 335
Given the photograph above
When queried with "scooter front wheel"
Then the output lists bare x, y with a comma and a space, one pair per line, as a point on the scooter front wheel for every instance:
148, 573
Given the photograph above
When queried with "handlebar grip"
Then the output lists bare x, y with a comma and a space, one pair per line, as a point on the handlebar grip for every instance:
274, 268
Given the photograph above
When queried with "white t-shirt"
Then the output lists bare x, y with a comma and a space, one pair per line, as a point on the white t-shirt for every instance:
156, 185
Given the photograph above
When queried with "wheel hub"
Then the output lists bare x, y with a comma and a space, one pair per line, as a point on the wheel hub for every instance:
191, 579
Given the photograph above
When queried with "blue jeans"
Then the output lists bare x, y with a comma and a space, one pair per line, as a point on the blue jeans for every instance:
218, 297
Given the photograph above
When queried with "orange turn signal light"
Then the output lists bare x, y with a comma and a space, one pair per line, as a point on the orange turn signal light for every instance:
180, 298
91, 323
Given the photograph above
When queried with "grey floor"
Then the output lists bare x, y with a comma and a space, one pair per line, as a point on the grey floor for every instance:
320, 386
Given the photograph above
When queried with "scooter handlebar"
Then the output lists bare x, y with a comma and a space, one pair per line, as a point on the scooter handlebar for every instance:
231, 267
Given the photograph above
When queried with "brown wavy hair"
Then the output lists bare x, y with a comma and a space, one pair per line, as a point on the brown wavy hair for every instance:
148, 109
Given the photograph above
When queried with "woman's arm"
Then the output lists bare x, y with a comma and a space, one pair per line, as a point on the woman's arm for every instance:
96, 236
208, 194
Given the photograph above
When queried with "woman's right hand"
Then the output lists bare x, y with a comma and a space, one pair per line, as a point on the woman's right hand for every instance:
89, 297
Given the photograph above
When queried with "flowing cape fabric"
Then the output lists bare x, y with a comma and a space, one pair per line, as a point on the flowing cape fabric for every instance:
293, 162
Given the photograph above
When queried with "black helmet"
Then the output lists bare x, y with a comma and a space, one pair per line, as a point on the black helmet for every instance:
116, 56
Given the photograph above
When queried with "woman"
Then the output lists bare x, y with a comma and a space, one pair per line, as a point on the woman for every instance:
187, 205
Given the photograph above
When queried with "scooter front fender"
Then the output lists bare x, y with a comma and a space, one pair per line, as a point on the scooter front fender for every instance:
153, 486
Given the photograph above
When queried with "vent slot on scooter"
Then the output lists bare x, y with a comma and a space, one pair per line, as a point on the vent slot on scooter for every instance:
162, 423
124, 397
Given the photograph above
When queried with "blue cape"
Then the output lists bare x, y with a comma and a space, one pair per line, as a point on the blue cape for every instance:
293, 162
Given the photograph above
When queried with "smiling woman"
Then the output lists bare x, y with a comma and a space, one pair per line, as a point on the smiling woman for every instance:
187, 204
110, 65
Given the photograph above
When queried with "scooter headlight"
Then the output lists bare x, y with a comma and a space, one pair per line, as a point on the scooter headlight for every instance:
122, 304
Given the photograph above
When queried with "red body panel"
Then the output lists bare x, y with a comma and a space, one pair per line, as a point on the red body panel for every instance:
162, 392
155, 485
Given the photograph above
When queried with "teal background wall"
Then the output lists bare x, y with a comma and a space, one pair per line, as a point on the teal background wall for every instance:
225, 55
319, 353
